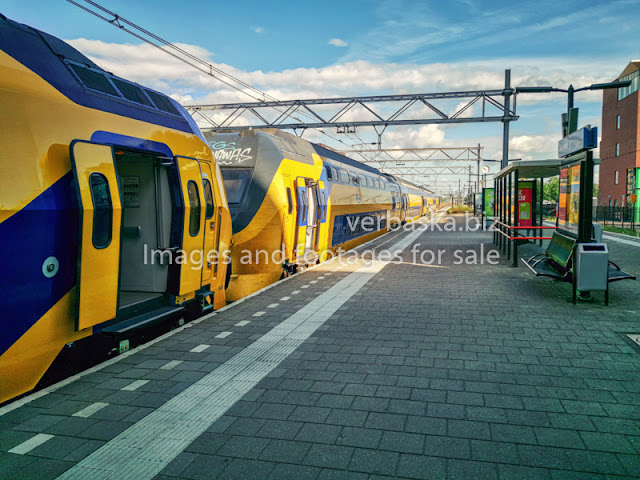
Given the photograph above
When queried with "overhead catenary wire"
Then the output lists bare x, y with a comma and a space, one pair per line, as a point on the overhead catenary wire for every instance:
180, 54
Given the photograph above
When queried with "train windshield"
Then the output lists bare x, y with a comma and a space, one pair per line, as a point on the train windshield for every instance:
235, 183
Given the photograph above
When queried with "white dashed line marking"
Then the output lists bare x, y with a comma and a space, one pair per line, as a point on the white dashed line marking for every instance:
30, 444
135, 385
284, 299
313, 281
170, 365
90, 410
199, 348
149, 445
273, 305
223, 335
242, 323
295, 292
258, 314
321, 278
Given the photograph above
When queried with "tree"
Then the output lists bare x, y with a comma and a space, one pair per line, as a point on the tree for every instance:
551, 190
596, 189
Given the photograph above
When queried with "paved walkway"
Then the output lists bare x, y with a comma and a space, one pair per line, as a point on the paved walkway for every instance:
386, 369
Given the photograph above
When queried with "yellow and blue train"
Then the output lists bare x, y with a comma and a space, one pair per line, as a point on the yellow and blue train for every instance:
109, 195
293, 203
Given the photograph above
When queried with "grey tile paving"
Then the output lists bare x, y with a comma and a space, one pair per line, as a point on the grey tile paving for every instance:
505, 380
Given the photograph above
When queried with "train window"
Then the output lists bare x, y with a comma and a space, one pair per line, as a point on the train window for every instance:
194, 203
329, 172
324, 206
102, 210
94, 80
335, 173
290, 201
162, 103
344, 176
235, 183
354, 179
131, 92
208, 197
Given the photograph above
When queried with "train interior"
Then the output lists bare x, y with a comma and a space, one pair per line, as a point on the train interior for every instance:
146, 226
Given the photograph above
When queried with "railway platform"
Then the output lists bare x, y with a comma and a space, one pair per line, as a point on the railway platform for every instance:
437, 360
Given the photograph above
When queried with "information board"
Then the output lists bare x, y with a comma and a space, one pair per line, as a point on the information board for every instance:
489, 199
525, 201
569, 209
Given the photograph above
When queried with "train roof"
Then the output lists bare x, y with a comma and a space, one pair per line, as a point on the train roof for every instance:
338, 157
85, 83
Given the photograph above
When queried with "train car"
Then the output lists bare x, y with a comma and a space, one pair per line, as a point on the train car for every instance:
418, 200
296, 203
109, 198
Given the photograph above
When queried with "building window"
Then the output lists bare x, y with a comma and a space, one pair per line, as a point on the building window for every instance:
618, 122
616, 178
631, 181
617, 149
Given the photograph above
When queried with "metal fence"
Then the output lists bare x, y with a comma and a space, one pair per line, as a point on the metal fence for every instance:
623, 217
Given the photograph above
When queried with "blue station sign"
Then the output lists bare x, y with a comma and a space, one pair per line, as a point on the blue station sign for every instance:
582, 139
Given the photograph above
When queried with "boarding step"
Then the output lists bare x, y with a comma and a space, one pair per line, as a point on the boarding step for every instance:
141, 321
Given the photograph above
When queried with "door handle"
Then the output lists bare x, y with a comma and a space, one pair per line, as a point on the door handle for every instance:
212, 225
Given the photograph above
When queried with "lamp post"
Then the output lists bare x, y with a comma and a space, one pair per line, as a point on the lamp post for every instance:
571, 120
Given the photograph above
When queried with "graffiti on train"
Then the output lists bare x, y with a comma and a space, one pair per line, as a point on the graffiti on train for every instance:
229, 153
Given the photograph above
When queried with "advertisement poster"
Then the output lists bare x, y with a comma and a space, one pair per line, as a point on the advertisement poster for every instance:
569, 207
489, 202
525, 200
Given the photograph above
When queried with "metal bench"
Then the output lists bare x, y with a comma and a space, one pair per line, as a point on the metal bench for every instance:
557, 262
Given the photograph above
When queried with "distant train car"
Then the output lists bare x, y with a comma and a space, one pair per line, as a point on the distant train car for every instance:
109, 197
294, 203
417, 200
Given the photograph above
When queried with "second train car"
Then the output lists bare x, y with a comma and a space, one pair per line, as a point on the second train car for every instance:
294, 203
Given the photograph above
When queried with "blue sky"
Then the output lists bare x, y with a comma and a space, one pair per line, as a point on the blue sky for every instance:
360, 47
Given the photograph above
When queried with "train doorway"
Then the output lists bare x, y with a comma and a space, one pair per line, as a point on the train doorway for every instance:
312, 218
146, 226
306, 220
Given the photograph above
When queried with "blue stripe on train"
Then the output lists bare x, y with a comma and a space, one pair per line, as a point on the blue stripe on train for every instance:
47, 226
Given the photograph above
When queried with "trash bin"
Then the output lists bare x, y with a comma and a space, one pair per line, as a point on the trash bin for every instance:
592, 265
597, 232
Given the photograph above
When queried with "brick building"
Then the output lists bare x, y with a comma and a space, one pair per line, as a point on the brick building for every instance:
619, 175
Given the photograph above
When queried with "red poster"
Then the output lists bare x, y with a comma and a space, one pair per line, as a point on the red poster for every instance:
525, 209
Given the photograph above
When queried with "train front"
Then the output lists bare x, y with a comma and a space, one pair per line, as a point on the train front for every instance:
250, 163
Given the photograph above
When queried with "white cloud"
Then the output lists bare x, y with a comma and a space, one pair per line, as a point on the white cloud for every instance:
257, 29
337, 42
528, 147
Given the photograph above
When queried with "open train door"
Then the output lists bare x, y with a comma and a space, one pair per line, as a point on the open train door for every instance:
301, 217
212, 227
313, 217
100, 225
193, 232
